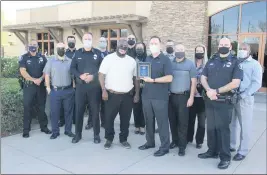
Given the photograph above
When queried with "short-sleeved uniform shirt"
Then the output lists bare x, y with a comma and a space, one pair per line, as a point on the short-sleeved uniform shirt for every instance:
182, 73
86, 62
34, 64
221, 71
160, 67
59, 71
119, 72
70, 54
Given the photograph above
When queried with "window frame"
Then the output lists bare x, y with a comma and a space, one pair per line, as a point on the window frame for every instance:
45, 41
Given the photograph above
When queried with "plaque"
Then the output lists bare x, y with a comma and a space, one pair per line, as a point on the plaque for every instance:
143, 69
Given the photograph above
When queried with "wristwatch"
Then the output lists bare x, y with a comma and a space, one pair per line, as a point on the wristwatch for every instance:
217, 91
41, 78
154, 80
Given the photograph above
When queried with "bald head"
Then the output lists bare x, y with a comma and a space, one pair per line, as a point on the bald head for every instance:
224, 47
60, 45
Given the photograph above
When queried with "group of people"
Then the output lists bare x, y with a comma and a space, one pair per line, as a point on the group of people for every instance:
179, 89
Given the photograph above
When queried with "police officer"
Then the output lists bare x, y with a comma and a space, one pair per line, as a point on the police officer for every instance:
31, 69
102, 45
84, 67
57, 70
221, 75
131, 46
155, 97
243, 110
70, 53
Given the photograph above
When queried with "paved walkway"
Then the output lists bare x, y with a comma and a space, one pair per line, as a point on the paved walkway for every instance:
40, 155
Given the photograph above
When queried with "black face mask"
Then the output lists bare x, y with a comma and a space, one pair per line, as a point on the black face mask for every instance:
179, 55
199, 55
71, 45
122, 48
61, 52
169, 50
131, 42
224, 50
139, 52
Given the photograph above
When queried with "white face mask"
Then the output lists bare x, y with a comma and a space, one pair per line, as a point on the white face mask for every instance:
154, 49
242, 54
87, 44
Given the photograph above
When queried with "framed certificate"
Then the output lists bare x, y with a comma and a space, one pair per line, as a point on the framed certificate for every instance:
143, 69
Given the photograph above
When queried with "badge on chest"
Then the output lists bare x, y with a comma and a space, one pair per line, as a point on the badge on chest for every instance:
41, 60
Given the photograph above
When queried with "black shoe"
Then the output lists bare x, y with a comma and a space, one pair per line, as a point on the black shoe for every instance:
238, 157
97, 140
160, 153
181, 152
126, 145
76, 139
25, 135
232, 150
54, 136
60, 124
142, 133
198, 146
70, 134
46, 130
88, 126
145, 146
223, 164
136, 132
107, 144
173, 145
207, 155
157, 130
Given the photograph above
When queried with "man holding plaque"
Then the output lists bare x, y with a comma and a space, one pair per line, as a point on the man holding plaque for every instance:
155, 98
116, 75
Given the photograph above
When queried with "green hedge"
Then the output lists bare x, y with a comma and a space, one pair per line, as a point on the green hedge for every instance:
9, 67
11, 106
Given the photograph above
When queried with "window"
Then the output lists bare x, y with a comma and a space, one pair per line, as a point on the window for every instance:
214, 40
45, 43
253, 18
112, 36
225, 22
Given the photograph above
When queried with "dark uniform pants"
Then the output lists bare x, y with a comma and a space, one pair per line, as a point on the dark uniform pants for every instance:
102, 112
122, 104
178, 117
139, 120
198, 109
33, 93
62, 118
61, 99
219, 116
158, 109
87, 93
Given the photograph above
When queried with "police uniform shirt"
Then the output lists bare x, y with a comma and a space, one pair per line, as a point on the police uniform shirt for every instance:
104, 54
160, 67
119, 72
86, 62
34, 64
131, 52
70, 54
59, 71
221, 71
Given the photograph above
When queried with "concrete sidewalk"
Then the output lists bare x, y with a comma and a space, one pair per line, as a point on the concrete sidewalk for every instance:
40, 155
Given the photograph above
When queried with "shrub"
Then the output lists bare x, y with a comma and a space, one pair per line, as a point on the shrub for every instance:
11, 106
9, 67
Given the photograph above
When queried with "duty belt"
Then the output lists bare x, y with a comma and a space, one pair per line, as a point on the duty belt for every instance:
27, 82
181, 93
57, 88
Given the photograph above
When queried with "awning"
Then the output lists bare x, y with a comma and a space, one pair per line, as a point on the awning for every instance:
117, 19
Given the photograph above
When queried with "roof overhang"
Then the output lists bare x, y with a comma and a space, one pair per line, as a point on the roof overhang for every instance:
83, 22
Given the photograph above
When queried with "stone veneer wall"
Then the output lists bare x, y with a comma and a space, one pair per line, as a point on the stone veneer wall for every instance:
182, 21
